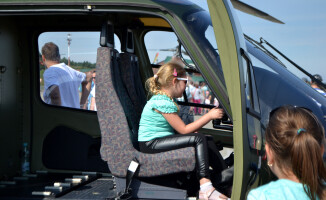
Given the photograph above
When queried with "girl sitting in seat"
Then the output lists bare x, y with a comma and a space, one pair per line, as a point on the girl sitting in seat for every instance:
295, 142
160, 118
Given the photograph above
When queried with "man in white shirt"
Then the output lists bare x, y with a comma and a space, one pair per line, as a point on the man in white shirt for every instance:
61, 82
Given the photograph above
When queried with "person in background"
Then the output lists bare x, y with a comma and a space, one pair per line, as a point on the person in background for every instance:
185, 111
204, 90
216, 103
191, 88
295, 140
197, 96
207, 101
90, 96
61, 82
315, 85
304, 79
160, 120
93, 103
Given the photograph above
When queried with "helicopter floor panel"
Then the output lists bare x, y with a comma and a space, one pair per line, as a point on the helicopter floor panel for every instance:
41, 186
99, 189
34, 188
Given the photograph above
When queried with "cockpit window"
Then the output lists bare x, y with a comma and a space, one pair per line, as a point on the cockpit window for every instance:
162, 47
200, 26
67, 68
209, 34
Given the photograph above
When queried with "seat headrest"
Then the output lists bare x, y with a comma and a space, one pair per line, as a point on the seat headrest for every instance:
107, 35
127, 43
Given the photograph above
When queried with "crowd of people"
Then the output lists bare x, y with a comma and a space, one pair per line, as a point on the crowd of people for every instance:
198, 92
295, 138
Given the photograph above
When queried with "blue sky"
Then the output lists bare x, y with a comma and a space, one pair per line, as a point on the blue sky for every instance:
302, 38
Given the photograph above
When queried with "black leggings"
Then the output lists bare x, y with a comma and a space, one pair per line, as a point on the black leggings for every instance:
205, 150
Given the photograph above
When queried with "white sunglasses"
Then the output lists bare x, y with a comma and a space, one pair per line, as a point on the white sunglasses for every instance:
182, 79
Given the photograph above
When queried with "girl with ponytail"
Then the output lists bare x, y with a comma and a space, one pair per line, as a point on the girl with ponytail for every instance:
295, 142
161, 129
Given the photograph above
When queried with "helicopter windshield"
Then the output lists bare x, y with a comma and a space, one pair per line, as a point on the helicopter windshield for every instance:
200, 27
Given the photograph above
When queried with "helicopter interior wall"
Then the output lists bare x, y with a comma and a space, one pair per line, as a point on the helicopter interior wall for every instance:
80, 127
68, 149
12, 128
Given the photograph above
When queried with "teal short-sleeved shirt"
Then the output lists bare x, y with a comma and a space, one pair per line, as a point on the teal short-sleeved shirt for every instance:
152, 124
281, 189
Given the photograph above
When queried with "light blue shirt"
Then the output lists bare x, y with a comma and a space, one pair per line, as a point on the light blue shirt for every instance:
152, 124
68, 80
281, 189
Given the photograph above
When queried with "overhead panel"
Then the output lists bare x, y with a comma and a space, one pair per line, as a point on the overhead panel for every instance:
152, 21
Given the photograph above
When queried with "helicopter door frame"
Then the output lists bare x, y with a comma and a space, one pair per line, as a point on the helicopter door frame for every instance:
230, 40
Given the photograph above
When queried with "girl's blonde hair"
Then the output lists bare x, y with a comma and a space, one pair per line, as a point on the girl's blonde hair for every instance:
296, 137
164, 77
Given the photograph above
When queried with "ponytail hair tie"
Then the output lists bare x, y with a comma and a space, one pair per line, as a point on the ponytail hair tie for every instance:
155, 76
175, 72
301, 130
